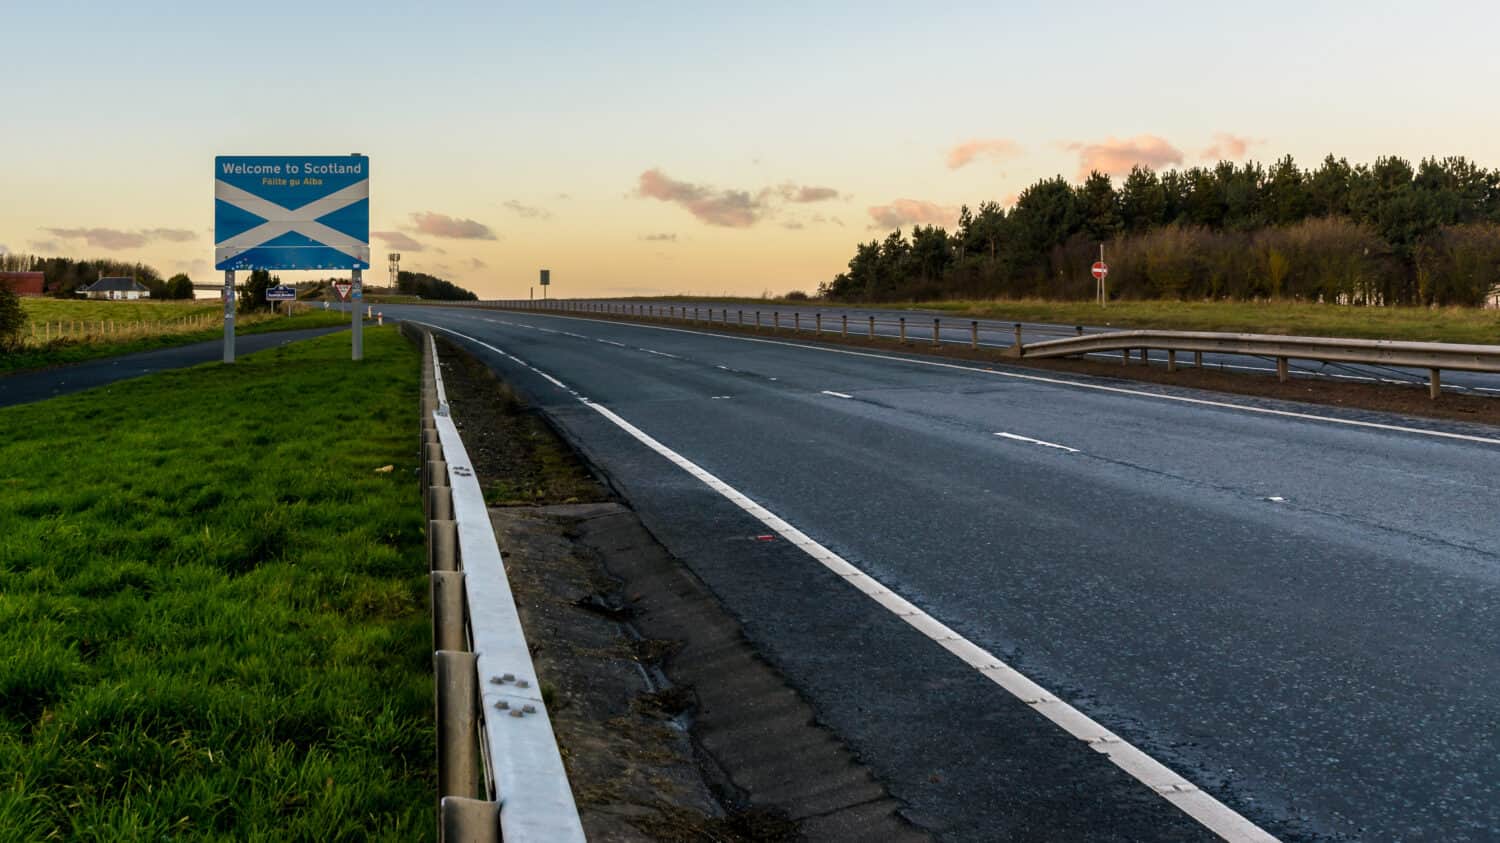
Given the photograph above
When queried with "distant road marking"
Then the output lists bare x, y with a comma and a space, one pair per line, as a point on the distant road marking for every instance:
661, 354
612, 342
1028, 440
1098, 387
836, 394
1213, 814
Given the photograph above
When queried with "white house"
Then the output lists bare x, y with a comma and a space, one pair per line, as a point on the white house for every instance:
115, 288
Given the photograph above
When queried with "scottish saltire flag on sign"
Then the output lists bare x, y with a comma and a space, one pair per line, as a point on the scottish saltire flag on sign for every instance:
292, 212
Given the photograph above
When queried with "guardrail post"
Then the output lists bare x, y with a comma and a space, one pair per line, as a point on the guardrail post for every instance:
696, 320
1434, 383
796, 321
818, 324
974, 334
903, 330
845, 329
757, 320
468, 820
1281, 370
1171, 360
439, 503
872, 327
1020, 346
935, 334
457, 710
448, 611
775, 321
442, 545
1079, 329
742, 317
1197, 359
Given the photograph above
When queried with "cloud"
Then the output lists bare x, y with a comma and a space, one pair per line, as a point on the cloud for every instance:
1115, 156
965, 153
398, 240
904, 212
114, 238
1227, 147
476, 263
793, 225
527, 211
45, 247
192, 267
442, 225
726, 208
662, 238
174, 235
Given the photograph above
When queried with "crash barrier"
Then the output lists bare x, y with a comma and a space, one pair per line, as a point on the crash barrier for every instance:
1057, 341
500, 775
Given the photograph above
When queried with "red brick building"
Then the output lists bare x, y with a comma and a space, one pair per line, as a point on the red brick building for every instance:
22, 283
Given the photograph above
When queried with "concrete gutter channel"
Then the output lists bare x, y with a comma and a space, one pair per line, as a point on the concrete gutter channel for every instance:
670, 725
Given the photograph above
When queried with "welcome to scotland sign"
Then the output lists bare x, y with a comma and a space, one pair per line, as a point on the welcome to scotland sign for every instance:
291, 212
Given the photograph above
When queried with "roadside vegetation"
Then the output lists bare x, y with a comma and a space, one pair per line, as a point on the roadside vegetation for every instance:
212, 591
55, 332
1386, 233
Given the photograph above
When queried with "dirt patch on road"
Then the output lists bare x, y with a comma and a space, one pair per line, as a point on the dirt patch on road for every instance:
658, 702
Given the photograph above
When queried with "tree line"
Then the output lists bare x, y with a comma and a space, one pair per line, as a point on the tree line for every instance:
64, 277
431, 287
1383, 233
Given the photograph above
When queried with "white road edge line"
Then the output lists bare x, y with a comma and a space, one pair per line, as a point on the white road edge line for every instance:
1028, 440
1213, 814
836, 394
1119, 390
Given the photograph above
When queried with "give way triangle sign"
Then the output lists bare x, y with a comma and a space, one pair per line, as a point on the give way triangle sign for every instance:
343, 288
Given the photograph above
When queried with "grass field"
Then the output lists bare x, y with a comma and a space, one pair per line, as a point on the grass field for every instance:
1453, 324
89, 334
212, 604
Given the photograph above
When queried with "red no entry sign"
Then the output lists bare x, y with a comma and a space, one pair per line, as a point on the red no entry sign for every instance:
1100, 269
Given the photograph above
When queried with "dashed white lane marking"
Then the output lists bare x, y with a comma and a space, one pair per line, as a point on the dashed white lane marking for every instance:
612, 342
836, 394
660, 353
1276, 499
1098, 387
1028, 440
1213, 814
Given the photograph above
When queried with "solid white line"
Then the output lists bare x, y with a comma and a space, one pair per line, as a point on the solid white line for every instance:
1118, 390
1213, 814
836, 394
1028, 440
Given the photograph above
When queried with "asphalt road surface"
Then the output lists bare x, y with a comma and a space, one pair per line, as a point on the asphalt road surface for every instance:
999, 334
1296, 609
26, 387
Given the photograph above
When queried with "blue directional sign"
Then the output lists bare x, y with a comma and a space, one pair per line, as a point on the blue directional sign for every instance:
292, 212
282, 293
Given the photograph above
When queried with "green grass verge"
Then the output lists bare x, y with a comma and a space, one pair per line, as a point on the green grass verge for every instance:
62, 352
212, 604
1450, 324
141, 310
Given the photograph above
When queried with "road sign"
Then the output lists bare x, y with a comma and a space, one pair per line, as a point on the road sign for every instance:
546, 277
281, 293
343, 288
1100, 269
291, 212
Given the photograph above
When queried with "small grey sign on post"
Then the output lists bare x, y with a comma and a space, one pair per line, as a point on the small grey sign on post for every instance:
546, 277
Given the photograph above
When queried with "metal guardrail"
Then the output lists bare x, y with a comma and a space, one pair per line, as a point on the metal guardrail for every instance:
500, 774
1432, 356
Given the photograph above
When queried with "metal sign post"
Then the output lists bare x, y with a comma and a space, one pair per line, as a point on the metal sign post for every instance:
356, 295
228, 316
546, 282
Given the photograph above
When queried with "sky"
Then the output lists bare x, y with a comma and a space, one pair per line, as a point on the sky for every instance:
652, 148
